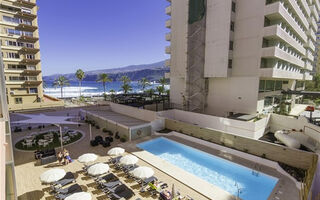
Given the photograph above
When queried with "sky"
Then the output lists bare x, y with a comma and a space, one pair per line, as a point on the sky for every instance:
100, 34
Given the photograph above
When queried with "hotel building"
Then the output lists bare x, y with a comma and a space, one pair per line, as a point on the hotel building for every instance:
7, 176
236, 56
20, 49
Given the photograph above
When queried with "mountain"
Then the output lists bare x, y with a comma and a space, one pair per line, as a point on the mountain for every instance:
152, 72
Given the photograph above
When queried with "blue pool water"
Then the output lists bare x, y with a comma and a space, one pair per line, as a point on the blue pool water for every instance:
215, 170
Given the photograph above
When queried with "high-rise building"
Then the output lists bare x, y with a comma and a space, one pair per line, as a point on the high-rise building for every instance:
7, 176
235, 56
20, 49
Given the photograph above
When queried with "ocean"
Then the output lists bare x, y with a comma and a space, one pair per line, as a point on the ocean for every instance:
92, 88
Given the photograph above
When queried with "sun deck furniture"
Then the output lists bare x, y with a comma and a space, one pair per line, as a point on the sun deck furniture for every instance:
126, 193
107, 178
67, 179
115, 160
128, 168
148, 180
118, 188
165, 195
110, 185
63, 193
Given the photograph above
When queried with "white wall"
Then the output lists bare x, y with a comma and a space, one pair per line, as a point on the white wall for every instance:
236, 127
145, 115
234, 94
217, 38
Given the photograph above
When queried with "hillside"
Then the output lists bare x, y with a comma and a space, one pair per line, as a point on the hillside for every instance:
153, 72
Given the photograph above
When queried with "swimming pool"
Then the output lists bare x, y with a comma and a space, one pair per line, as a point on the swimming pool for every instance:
222, 173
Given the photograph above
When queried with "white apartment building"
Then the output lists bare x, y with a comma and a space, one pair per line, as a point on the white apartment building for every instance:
235, 56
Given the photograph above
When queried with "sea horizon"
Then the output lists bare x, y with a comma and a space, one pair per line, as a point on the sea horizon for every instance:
92, 88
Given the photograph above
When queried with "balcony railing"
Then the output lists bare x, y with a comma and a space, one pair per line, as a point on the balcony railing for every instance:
25, 3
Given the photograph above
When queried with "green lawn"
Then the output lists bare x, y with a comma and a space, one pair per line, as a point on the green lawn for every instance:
54, 144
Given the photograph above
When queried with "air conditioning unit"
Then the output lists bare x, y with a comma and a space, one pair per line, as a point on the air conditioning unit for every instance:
12, 92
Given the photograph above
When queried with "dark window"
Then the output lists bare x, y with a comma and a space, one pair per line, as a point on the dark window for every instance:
269, 85
230, 63
278, 85
231, 45
233, 7
263, 63
33, 90
232, 26
18, 100
262, 85
267, 22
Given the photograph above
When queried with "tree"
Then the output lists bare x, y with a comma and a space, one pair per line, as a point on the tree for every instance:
150, 92
104, 78
80, 76
61, 81
163, 81
144, 82
125, 87
160, 89
112, 92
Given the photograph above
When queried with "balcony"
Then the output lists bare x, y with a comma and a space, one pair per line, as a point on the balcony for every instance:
168, 50
25, 15
26, 38
31, 72
168, 37
168, 23
278, 73
306, 7
307, 76
298, 12
25, 3
310, 45
24, 50
167, 63
313, 23
168, 10
276, 32
276, 52
309, 56
308, 66
276, 11
27, 27
314, 12
27, 61
317, 3
31, 81
312, 35
9, 8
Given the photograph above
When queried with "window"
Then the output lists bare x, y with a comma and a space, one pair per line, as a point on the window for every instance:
13, 32
263, 63
269, 85
268, 101
11, 43
33, 90
12, 55
262, 85
11, 19
26, 10
30, 56
265, 43
267, 22
18, 100
232, 26
233, 6
230, 63
278, 85
231, 45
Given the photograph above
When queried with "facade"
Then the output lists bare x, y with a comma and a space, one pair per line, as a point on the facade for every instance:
7, 176
20, 49
317, 69
235, 56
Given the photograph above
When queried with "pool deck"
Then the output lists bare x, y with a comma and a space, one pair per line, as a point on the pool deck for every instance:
287, 188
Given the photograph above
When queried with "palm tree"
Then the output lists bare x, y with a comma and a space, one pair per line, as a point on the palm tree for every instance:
160, 90
144, 82
163, 81
80, 76
126, 87
61, 81
112, 92
150, 92
104, 78
125, 80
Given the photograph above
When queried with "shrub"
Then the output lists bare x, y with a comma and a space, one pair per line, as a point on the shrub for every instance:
123, 139
110, 133
29, 127
40, 126
97, 127
104, 130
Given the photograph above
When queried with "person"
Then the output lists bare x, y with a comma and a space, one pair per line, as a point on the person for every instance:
60, 157
67, 158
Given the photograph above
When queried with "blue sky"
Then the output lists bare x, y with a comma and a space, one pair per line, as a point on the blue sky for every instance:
100, 34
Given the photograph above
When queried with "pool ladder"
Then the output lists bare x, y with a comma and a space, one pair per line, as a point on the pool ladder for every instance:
256, 169
238, 190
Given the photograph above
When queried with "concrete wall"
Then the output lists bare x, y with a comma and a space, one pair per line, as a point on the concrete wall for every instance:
292, 157
234, 94
145, 115
280, 122
139, 132
236, 127
2, 159
217, 38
